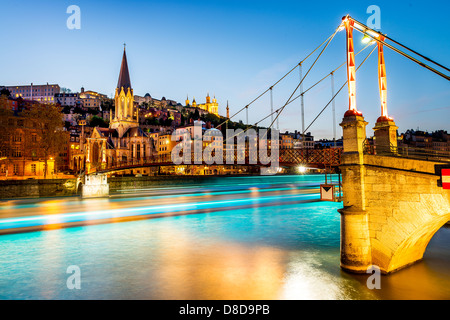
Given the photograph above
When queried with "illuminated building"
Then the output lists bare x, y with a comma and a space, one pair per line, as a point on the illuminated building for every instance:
91, 99
165, 143
286, 141
211, 107
66, 99
42, 93
21, 155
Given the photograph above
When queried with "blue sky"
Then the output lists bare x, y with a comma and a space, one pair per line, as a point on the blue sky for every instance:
233, 50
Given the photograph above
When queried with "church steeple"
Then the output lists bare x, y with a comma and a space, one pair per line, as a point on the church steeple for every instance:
126, 115
124, 76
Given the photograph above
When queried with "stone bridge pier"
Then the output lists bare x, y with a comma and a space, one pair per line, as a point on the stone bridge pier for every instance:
392, 205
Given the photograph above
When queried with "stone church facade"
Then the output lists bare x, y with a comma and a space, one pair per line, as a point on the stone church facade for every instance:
123, 141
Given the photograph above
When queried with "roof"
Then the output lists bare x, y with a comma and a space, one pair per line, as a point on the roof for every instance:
135, 131
124, 76
107, 132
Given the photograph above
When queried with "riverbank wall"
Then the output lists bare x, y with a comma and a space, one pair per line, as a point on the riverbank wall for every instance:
39, 188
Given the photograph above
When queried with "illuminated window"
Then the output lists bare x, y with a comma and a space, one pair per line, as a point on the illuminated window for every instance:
33, 168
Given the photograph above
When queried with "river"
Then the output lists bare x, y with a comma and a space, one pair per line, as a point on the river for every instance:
226, 238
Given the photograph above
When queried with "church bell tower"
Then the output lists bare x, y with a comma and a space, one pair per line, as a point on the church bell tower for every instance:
126, 114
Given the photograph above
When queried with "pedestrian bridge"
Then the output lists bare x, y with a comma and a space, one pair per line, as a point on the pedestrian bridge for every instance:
312, 158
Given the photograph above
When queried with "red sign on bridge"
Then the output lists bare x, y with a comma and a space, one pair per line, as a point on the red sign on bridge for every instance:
446, 179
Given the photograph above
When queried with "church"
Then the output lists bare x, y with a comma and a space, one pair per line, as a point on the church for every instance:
123, 141
211, 107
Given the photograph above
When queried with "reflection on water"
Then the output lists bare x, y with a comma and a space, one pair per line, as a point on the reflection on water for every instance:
259, 252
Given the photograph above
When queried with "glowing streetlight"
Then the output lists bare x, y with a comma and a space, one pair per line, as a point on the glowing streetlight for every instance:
301, 169
367, 39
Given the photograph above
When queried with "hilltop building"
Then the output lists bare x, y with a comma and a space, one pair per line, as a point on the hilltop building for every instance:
211, 107
44, 93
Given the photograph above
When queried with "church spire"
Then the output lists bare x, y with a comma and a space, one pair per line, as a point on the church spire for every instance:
124, 76
126, 114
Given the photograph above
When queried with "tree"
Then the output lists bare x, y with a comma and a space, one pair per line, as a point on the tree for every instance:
47, 120
97, 121
79, 110
209, 117
93, 111
196, 114
5, 92
151, 121
107, 105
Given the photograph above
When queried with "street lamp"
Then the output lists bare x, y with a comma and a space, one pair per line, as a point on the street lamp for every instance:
367, 39
301, 169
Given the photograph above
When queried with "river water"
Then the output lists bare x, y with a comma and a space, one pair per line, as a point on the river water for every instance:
227, 238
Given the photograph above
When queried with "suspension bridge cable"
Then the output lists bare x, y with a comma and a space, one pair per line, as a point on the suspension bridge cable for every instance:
420, 55
271, 102
276, 111
289, 101
337, 93
309, 70
276, 83
333, 109
318, 82
404, 46
364, 31
413, 59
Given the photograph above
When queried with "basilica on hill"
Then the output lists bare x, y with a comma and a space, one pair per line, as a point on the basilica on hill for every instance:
211, 107
123, 140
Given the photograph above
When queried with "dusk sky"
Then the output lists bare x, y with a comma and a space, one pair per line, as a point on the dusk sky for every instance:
234, 50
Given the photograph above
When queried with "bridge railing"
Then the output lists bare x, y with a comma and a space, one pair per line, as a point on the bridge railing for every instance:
407, 152
287, 157
325, 157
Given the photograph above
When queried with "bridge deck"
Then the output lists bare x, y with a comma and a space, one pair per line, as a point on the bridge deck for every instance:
318, 158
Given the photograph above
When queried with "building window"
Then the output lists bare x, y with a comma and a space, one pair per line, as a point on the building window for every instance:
16, 169
34, 137
33, 168
17, 153
17, 138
